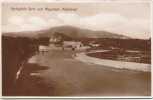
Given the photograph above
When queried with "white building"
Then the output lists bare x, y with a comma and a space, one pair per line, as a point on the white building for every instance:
43, 48
75, 44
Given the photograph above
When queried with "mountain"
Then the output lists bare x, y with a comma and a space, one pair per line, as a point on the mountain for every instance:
75, 33
68, 32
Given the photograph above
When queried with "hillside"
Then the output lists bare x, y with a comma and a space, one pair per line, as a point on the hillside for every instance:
68, 32
75, 33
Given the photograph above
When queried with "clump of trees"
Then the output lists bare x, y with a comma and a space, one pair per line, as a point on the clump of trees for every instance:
15, 51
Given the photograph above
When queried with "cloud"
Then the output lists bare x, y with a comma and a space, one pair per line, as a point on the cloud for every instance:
23, 23
137, 28
103, 21
112, 22
16, 20
52, 0
69, 18
36, 21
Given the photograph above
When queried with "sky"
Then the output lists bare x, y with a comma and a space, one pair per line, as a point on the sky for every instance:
69, 0
130, 19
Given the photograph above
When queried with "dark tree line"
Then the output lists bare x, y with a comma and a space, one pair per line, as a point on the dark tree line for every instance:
16, 50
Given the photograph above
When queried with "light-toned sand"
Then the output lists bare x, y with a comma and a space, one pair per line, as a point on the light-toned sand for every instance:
112, 63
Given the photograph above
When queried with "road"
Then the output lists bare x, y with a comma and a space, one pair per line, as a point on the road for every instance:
65, 76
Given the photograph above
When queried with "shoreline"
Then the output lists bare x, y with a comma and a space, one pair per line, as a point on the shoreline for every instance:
112, 63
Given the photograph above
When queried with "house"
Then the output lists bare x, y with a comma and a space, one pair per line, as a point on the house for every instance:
92, 44
72, 44
43, 48
54, 40
75, 45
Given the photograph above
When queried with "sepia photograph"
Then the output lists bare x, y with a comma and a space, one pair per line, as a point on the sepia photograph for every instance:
76, 49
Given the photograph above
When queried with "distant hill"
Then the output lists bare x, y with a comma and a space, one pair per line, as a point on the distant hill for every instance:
75, 33
69, 32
